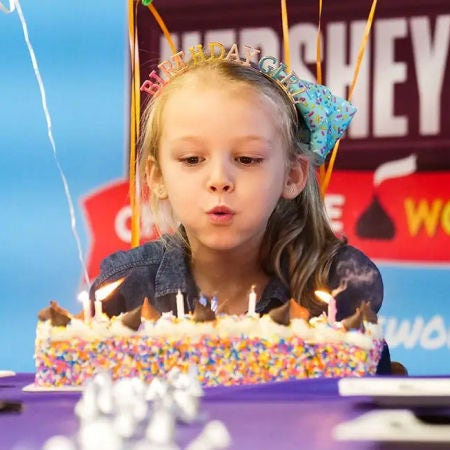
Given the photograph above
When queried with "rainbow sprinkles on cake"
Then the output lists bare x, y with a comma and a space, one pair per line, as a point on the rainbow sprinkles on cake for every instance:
226, 349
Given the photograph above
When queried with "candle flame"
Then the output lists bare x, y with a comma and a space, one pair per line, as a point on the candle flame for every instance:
106, 290
83, 296
324, 296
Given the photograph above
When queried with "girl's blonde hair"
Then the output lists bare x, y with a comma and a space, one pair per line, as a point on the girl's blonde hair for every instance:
298, 238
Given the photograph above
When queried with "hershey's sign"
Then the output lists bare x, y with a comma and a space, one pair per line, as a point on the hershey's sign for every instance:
403, 88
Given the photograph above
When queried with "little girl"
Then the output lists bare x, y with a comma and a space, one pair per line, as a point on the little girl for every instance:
229, 147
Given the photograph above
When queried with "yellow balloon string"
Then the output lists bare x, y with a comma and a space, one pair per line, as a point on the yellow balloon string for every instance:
285, 25
362, 48
319, 47
135, 112
319, 69
134, 126
163, 27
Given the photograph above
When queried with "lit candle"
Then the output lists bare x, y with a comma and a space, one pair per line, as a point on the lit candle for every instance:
102, 293
252, 302
98, 308
83, 297
331, 301
180, 304
332, 310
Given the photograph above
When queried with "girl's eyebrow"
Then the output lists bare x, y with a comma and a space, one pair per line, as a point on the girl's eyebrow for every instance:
245, 138
187, 138
257, 138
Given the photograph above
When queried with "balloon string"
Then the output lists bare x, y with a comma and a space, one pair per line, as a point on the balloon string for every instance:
362, 48
52, 141
134, 126
135, 113
319, 47
9, 10
285, 25
319, 69
163, 27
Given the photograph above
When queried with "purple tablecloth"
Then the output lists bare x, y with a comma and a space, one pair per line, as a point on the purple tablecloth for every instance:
288, 415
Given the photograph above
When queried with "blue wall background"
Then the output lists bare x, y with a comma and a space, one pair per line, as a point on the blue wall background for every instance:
81, 50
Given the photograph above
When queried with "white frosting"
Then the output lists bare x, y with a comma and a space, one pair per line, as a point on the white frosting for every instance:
317, 330
359, 339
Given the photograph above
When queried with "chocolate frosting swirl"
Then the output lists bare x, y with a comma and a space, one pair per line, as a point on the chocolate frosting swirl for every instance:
353, 322
149, 312
203, 313
132, 319
58, 316
281, 315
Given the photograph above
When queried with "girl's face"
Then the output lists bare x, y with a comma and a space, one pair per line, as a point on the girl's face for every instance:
222, 164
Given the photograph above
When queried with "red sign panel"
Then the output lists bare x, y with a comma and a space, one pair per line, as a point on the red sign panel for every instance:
405, 219
108, 215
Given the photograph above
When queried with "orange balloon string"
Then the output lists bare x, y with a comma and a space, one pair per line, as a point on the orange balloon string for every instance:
326, 181
362, 48
163, 27
319, 70
135, 112
134, 124
285, 25
327, 178
319, 47
321, 174
135, 226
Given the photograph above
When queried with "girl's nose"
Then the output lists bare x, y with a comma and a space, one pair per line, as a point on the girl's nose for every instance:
220, 179
220, 187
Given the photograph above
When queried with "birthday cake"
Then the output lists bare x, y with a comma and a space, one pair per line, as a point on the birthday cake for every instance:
225, 349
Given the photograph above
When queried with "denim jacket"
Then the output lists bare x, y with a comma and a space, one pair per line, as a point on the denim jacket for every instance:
157, 270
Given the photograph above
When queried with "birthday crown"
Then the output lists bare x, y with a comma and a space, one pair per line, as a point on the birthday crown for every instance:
326, 116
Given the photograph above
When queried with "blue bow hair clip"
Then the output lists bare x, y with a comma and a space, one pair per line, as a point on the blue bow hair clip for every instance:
326, 116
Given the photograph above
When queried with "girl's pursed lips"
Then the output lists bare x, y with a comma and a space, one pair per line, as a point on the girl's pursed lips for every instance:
221, 215
221, 210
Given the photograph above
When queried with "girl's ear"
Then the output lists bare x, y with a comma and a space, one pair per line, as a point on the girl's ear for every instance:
154, 179
296, 178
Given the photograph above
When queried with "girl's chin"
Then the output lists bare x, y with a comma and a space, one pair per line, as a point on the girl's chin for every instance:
222, 244
218, 246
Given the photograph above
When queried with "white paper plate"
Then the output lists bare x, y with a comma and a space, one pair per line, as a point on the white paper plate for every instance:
399, 392
392, 425
6, 373
33, 388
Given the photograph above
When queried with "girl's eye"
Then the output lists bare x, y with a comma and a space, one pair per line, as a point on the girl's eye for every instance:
248, 160
191, 160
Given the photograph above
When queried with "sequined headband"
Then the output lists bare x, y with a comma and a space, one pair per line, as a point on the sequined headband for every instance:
326, 115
